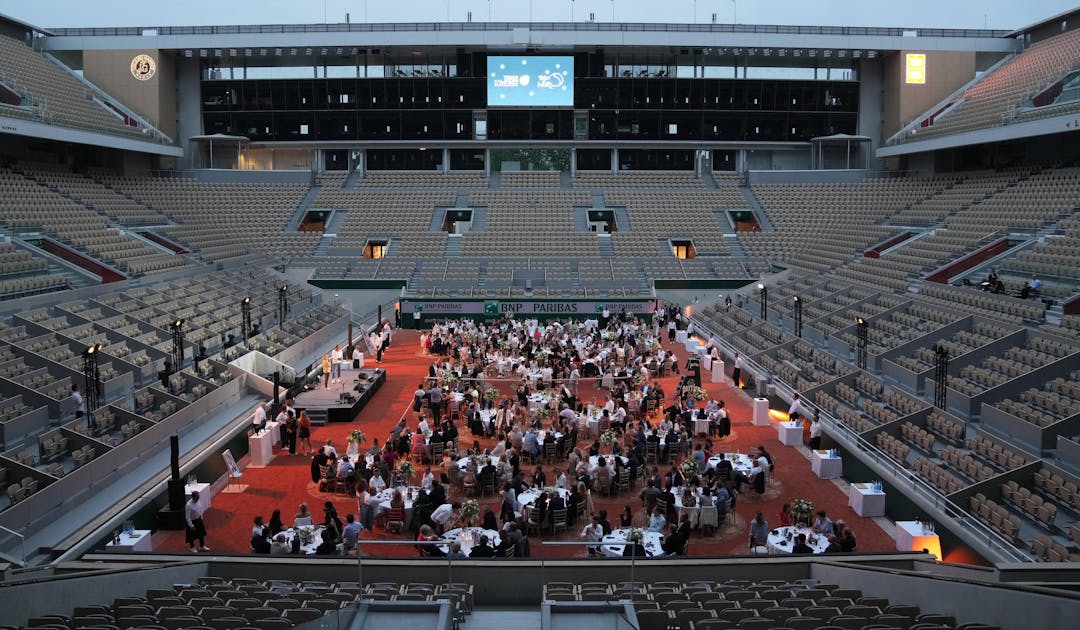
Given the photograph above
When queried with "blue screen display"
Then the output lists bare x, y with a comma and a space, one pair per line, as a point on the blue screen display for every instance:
530, 82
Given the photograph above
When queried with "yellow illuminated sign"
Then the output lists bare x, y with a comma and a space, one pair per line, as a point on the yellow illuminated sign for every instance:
916, 68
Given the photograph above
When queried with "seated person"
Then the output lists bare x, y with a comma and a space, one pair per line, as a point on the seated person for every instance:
800, 546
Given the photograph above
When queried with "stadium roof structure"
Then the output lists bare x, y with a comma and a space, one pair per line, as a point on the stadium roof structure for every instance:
753, 39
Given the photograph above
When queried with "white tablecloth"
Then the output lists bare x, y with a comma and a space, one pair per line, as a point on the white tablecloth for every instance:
594, 460
275, 431
740, 462
306, 549
138, 540
382, 500
528, 497
204, 494
261, 448
779, 543
468, 536
790, 433
614, 542
701, 425
826, 467
913, 536
865, 501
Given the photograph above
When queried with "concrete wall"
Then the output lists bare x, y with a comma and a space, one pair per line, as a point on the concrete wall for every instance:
969, 602
188, 105
871, 122
153, 99
945, 73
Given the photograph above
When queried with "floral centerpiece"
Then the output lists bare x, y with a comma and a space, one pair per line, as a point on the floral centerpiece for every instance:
541, 413
639, 379
690, 469
802, 510
635, 535
699, 393
609, 438
491, 395
448, 379
306, 534
470, 509
403, 472
353, 440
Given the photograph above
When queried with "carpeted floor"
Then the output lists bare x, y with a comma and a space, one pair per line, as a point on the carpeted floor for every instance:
286, 481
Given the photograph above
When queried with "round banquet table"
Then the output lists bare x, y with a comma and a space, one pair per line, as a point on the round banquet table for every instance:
693, 512
463, 463
778, 540
740, 462
528, 497
613, 543
306, 549
382, 500
468, 536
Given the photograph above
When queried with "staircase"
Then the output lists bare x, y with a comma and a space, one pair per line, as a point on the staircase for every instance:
581, 219
302, 208
708, 180
734, 246
575, 275
495, 180
723, 219
566, 180
324, 244
759, 211
643, 283
76, 276
603, 241
479, 219
352, 179
453, 246
336, 219
598, 202
462, 199
481, 276
622, 219
393, 246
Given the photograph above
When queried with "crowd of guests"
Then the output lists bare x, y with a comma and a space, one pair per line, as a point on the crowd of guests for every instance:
840, 537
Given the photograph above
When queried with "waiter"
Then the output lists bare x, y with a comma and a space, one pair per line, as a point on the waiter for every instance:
194, 528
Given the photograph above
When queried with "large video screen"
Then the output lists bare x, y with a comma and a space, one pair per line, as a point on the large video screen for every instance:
530, 82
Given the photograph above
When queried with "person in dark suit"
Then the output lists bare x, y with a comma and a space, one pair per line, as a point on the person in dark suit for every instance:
483, 549
676, 543
669, 497
634, 550
437, 495
800, 546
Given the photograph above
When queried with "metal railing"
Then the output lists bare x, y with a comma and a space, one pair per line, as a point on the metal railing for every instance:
903, 478
242, 29
21, 560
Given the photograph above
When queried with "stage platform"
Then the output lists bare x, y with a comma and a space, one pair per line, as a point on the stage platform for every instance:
341, 401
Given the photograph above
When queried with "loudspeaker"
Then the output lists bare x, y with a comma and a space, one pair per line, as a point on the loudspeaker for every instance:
174, 455
177, 495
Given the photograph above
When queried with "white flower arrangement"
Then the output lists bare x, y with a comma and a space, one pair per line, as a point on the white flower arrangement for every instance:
470, 509
690, 468
635, 535
448, 379
802, 510
405, 469
541, 413
700, 393
356, 436
609, 438
491, 394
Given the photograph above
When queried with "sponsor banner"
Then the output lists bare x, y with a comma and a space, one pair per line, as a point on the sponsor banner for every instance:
524, 308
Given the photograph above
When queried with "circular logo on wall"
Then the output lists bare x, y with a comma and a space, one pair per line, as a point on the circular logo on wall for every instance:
143, 67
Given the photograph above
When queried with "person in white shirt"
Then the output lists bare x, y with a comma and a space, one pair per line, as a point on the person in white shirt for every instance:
795, 410
258, 420
815, 431
736, 373
195, 528
329, 448
80, 404
593, 533
357, 358
376, 485
336, 357
441, 515
425, 481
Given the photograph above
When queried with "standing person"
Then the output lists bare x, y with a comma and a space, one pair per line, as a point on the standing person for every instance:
289, 434
336, 357
435, 402
80, 404
194, 527
737, 371
671, 331
303, 426
357, 357
326, 371
815, 431
387, 333
759, 531
796, 409
258, 420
